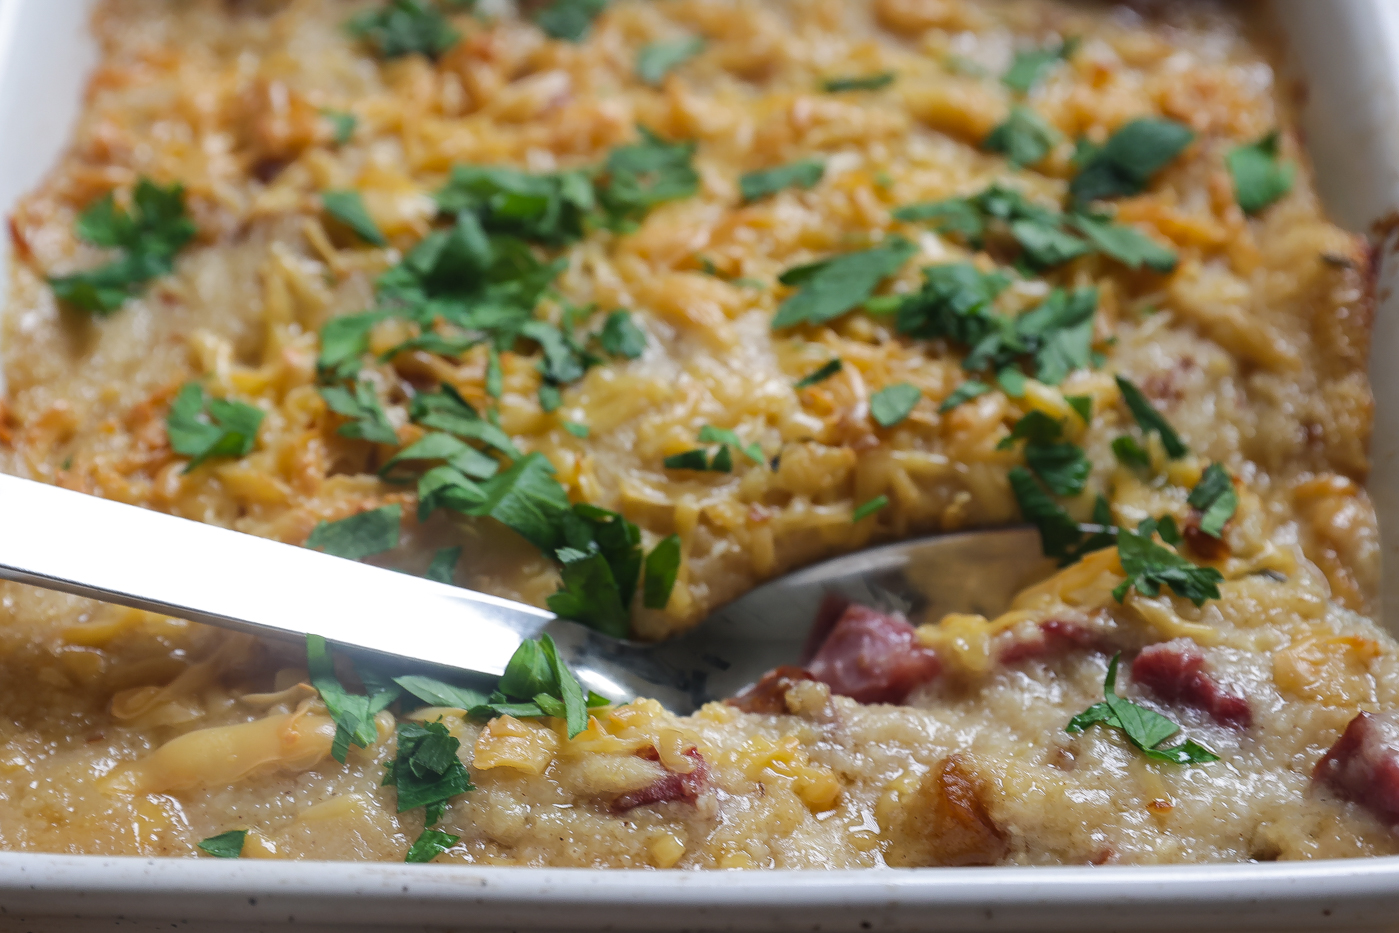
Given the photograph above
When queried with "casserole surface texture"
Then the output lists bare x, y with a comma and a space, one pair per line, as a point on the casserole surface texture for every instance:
129, 733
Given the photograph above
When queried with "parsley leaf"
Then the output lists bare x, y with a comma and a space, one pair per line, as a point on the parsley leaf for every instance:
1024, 138
202, 428
1082, 405
545, 208
149, 236
801, 174
1144, 728
527, 499
835, 286
1060, 536
362, 535
443, 565
865, 510
699, 460
348, 208
871, 82
1031, 65
1063, 467
367, 419
963, 393
343, 341
662, 568
447, 411
621, 337
954, 215
225, 845
1260, 178
894, 403
656, 60
439, 446
402, 27
435, 692
1215, 498
569, 20
342, 124
536, 677
1130, 453
601, 566
576, 429
1129, 159
826, 371
426, 769
640, 176
1149, 419
1060, 333
1127, 245
712, 435
353, 713
1149, 566
429, 845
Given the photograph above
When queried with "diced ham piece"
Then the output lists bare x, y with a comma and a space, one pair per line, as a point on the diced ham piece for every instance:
673, 786
1174, 671
873, 657
1055, 637
1363, 765
769, 695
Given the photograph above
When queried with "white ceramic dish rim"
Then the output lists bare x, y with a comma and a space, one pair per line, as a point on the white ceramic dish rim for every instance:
1350, 61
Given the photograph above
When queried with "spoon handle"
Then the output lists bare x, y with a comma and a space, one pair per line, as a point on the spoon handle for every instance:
87, 546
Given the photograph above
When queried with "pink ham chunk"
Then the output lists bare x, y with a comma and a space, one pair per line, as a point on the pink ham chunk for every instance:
672, 787
1363, 765
873, 657
1053, 638
1174, 672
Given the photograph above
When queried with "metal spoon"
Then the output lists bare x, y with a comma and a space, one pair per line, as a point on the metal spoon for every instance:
67, 541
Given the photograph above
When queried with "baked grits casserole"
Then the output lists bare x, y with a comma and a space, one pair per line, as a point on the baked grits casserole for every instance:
622, 308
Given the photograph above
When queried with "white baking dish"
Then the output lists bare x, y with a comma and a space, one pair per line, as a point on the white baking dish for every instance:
1347, 54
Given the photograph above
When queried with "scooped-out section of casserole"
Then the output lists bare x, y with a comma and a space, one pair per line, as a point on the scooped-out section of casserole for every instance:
622, 308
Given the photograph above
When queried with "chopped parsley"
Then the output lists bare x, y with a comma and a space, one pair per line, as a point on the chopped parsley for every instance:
1023, 138
569, 20
826, 371
1144, 728
426, 771
1127, 245
367, 419
576, 429
1061, 466
348, 208
894, 403
834, 286
148, 236
801, 174
1032, 65
621, 337
642, 175
1260, 178
1130, 453
536, 682
870, 82
342, 125
225, 845
545, 208
429, 845
662, 568
441, 446
362, 535
1060, 536
699, 460
1149, 419
353, 713
865, 510
1082, 406
656, 60
712, 435
965, 392
404, 27
435, 692
201, 428
602, 560
1131, 156
443, 565
1149, 566
1215, 499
